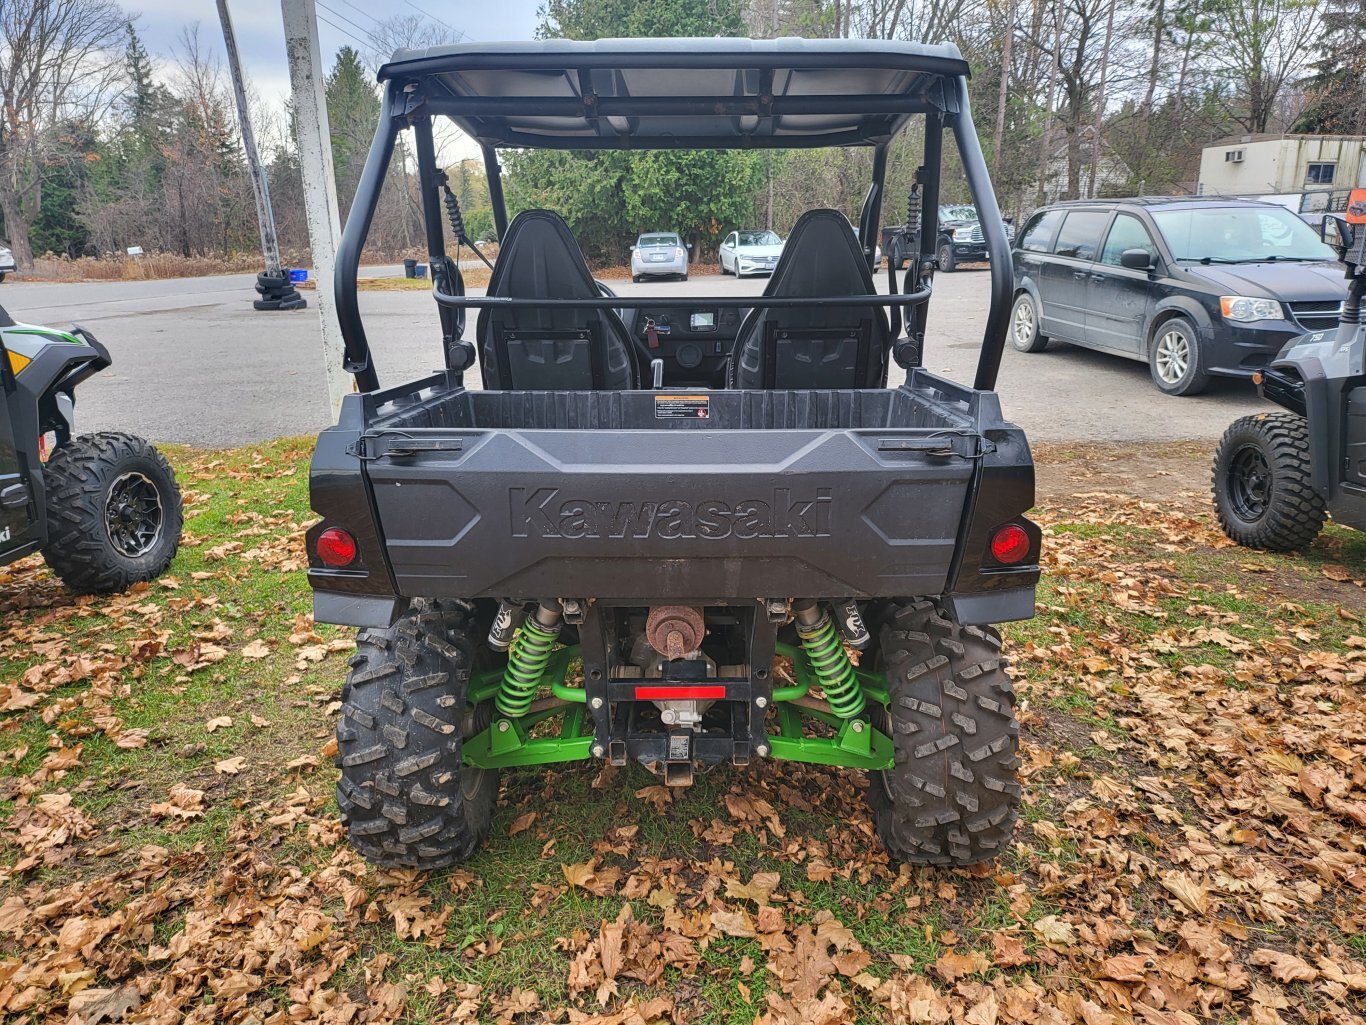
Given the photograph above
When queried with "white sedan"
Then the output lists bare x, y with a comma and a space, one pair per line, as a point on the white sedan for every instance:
6, 262
750, 252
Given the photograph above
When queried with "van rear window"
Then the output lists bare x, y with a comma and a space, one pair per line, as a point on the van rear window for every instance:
1080, 233
1038, 233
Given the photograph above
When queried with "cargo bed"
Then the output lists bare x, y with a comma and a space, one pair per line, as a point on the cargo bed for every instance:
623, 496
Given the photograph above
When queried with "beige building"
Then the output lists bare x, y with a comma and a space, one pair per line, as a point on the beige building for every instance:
1255, 165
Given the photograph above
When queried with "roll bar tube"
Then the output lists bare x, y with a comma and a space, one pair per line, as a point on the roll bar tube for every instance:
723, 302
493, 174
358, 221
998, 246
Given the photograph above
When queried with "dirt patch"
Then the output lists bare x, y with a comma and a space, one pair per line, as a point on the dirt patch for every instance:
1176, 475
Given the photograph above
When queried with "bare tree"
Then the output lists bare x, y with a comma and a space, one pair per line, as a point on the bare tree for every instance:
1266, 44
56, 68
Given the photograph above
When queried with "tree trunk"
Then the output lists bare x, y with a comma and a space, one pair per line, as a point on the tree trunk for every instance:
1055, 58
16, 226
1099, 123
998, 139
1159, 29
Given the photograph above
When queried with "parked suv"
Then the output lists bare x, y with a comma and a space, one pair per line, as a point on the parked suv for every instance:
1197, 287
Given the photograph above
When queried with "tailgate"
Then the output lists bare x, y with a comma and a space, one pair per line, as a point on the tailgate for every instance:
699, 516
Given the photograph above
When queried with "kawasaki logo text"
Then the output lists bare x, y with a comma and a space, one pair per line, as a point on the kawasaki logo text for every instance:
543, 513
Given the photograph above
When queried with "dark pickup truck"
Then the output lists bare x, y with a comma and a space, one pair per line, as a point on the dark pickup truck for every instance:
602, 551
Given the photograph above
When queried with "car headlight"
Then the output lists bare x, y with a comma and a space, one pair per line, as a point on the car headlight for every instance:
1244, 308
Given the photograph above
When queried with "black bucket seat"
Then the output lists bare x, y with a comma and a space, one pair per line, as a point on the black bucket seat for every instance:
550, 348
815, 347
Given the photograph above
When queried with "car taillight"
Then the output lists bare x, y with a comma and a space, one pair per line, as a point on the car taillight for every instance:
678, 254
336, 547
1009, 544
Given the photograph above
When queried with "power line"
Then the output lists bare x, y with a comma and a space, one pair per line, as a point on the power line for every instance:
344, 32
362, 12
361, 28
459, 34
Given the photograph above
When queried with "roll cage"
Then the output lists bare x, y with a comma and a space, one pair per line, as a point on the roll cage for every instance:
712, 93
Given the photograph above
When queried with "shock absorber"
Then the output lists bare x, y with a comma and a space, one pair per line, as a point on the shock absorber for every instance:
825, 651
527, 659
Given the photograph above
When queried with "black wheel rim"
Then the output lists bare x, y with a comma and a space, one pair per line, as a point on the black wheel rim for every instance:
1249, 483
133, 515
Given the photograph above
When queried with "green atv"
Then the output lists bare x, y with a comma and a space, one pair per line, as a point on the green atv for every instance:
104, 509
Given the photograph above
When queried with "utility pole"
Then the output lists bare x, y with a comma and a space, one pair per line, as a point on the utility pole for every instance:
273, 286
320, 188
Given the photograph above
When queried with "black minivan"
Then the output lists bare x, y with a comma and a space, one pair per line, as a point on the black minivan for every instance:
1197, 287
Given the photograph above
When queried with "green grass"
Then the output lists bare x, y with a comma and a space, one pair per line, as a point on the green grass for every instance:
509, 912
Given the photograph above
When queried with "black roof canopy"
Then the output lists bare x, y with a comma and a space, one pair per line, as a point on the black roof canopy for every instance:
720, 93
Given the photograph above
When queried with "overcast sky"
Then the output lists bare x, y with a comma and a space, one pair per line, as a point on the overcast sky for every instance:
260, 33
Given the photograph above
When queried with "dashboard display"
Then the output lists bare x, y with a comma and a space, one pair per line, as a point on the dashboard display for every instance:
702, 321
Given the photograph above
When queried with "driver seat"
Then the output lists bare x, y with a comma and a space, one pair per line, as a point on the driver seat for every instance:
815, 347
549, 348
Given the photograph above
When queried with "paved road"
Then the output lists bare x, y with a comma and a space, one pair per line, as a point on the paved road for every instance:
194, 363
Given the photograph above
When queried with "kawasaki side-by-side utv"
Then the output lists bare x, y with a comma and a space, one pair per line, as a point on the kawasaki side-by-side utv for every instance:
675, 530
1277, 476
104, 509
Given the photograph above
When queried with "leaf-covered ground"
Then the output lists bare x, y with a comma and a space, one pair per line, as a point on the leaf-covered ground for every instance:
1192, 849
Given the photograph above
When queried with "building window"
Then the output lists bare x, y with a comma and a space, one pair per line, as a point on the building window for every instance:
1233, 156
1321, 174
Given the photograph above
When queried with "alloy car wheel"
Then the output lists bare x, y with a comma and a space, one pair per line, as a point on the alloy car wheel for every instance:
1174, 359
1024, 325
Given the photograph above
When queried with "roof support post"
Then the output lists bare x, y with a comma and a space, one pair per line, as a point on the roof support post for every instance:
998, 247
358, 221
870, 218
494, 174
917, 316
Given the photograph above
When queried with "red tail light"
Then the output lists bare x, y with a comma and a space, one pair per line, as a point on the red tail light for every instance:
1010, 544
336, 547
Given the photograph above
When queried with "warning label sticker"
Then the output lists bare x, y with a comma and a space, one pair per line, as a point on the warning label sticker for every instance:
682, 407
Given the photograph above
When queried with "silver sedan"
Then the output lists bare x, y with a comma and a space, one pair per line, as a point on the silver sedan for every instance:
657, 255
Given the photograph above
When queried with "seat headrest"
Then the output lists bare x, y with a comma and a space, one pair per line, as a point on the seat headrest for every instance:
540, 258
822, 257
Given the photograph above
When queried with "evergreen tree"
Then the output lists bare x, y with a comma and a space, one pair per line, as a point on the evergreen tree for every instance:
352, 110
1337, 86
608, 197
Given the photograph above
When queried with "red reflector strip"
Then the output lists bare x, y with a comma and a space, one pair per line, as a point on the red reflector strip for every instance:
684, 693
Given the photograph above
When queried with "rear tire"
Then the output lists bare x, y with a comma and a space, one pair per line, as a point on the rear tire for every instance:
1263, 485
952, 795
113, 513
404, 795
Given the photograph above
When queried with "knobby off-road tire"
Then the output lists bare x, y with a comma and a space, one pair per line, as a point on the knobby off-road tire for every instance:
403, 793
952, 795
114, 512
1263, 488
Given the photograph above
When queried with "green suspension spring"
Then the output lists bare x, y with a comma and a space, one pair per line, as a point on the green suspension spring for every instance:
828, 659
527, 659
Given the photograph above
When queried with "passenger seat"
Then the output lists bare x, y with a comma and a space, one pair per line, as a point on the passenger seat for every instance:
815, 347
549, 348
